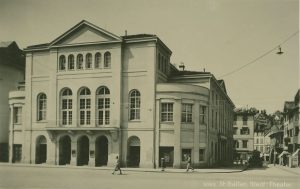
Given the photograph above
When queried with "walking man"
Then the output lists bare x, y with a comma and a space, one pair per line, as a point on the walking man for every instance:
163, 164
118, 166
188, 166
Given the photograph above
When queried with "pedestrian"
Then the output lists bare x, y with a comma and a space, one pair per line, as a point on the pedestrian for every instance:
188, 166
118, 166
163, 164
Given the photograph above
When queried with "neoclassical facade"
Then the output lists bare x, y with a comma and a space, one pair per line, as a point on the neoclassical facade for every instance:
91, 95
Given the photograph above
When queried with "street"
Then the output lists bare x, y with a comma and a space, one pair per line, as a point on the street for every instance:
61, 178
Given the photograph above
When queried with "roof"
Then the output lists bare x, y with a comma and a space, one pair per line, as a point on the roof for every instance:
288, 106
185, 72
5, 43
138, 36
39, 45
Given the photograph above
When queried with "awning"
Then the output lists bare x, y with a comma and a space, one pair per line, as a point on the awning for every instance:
283, 153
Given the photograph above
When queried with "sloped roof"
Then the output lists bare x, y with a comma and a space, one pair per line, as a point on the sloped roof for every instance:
4, 44
138, 36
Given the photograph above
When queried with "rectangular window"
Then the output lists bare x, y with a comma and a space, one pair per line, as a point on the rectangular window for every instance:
245, 119
186, 114
166, 112
82, 117
245, 131
236, 144
106, 117
201, 154
185, 153
245, 143
235, 130
100, 118
17, 112
17, 153
202, 116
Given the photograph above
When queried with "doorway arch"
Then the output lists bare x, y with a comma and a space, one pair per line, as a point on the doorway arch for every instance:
64, 150
41, 150
133, 153
101, 154
83, 151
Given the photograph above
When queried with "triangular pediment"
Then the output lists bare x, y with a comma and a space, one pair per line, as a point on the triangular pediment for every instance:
84, 32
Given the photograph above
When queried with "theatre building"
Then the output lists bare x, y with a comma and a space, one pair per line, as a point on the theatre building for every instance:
91, 95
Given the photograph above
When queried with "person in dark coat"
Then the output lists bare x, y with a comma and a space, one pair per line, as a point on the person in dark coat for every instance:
188, 166
118, 166
163, 164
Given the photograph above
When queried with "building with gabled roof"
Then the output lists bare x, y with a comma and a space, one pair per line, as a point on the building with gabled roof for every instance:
91, 95
12, 71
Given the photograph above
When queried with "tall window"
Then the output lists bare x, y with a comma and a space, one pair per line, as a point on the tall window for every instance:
42, 107
66, 107
103, 106
135, 104
97, 60
245, 142
166, 112
202, 115
245, 119
17, 112
201, 154
236, 144
85, 106
62, 63
186, 114
235, 130
71, 62
88, 61
107, 60
245, 131
80, 62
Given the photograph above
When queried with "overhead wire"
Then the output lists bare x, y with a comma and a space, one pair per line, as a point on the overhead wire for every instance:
259, 57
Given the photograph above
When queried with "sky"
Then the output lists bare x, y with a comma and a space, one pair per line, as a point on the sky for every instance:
216, 35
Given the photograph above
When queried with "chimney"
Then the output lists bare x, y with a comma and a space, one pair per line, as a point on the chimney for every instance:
125, 32
182, 66
203, 69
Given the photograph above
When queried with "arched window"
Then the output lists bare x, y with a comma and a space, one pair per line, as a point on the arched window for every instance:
71, 62
107, 60
97, 60
84, 106
66, 107
135, 105
88, 61
42, 107
62, 63
103, 106
80, 62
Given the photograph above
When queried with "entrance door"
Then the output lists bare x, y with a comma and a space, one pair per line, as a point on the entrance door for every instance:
133, 152
168, 154
41, 150
83, 151
101, 151
64, 150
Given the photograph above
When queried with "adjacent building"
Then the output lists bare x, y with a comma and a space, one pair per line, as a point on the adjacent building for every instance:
91, 95
291, 140
261, 141
12, 71
243, 133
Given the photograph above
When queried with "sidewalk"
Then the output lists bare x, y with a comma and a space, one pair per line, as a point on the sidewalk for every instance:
233, 169
295, 170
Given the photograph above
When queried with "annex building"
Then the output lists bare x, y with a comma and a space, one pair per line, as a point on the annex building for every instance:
91, 95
